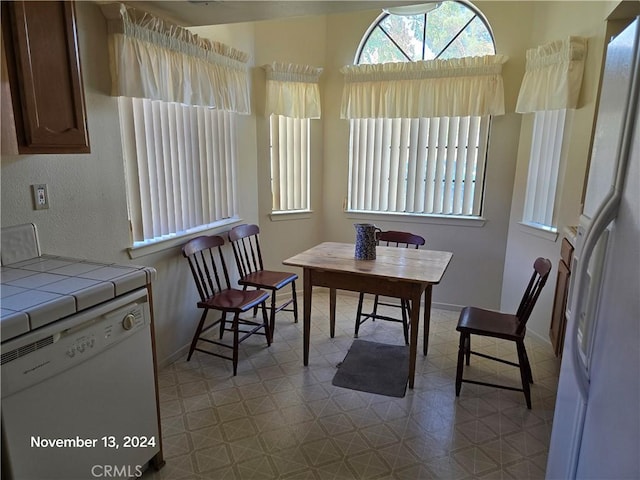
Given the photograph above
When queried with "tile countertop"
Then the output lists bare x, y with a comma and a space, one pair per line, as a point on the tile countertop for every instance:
41, 290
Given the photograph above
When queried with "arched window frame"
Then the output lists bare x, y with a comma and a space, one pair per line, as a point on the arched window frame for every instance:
373, 185
476, 14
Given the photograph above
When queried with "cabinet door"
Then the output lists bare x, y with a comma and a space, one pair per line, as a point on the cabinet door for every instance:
8, 143
47, 86
558, 318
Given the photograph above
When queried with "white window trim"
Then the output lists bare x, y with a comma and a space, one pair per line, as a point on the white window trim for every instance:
537, 230
178, 240
453, 220
290, 215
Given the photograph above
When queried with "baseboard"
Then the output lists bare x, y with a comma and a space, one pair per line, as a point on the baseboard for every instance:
442, 306
183, 352
542, 338
447, 306
180, 353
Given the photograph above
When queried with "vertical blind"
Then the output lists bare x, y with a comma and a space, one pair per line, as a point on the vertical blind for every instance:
289, 163
419, 133
550, 86
293, 97
421, 165
180, 166
544, 166
178, 97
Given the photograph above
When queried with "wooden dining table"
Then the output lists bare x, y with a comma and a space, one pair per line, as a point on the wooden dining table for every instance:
395, 272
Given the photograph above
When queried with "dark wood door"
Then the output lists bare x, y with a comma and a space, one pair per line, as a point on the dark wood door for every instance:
558, 318
46, 80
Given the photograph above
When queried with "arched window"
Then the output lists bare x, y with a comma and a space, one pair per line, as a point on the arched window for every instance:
441, 30
421, 166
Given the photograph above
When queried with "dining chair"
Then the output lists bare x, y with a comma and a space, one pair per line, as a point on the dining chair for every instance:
210, 273
491, 323
390, 238
245, 240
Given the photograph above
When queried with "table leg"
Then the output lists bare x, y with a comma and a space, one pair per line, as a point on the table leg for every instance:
306, 320
332, 312
427, 318
413, 341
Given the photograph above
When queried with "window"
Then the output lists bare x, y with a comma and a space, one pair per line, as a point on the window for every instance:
448, 30
427, 166
544, 167
419, 166
550, 87
289, 163
293, 98
180, 166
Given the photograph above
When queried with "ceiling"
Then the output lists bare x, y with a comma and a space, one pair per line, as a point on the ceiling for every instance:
213, 12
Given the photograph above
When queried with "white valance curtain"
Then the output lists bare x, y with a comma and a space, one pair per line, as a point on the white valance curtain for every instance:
553, 76
151, 58
459, 87
292, 90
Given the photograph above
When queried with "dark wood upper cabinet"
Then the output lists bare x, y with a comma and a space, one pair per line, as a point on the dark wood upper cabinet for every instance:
43, 62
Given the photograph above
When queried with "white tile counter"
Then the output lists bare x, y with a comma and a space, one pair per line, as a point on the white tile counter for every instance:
41, 290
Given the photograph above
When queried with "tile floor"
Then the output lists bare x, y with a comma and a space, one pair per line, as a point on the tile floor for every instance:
278, 419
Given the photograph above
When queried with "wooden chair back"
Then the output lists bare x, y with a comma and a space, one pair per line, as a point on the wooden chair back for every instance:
207, 265
245, 241
392, 238
541, 269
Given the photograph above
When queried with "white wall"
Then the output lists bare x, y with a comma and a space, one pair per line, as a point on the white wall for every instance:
554, 21
300, 41
475, 274
88, 210
88, 215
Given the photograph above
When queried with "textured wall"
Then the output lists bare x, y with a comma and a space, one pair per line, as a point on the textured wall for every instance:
88, 214
554, 21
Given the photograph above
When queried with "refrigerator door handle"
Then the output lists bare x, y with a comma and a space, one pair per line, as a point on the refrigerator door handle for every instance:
605, 214
596, 403
586, 287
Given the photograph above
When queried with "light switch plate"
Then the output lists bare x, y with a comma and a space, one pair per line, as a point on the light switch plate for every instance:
40, 196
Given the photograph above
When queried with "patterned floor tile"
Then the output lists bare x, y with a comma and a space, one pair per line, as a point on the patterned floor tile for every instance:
280, 420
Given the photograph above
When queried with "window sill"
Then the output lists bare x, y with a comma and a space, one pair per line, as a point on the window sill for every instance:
290, 215
413, 218
173, 241
542, 231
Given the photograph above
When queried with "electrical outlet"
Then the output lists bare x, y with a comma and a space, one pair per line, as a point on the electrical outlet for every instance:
40, 196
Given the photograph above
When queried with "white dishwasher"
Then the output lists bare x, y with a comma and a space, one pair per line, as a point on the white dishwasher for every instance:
79, 395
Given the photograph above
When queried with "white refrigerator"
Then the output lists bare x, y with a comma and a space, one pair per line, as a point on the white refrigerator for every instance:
596, 424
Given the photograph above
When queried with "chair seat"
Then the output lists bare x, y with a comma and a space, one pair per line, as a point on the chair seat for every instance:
479, 321
268, 279
245, 243
490, 323
234, 300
